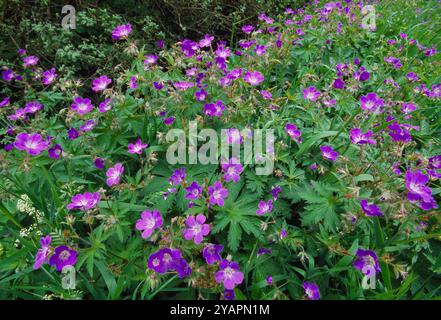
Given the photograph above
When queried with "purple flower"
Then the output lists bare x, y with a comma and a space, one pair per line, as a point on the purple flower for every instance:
183, 85
133, 84
30, 61
229, 294
217, 193
114, 174
169, 121
19, 114
150, 59
137, 147
399, 133
214, 109
121, 32
435, 162
275, 191
148, 222
293, 132
196, 228
101, 83
84, 201
160, 44
200, 95
370, 210
81, 105
269, 280
211, 253
206, 41
311, 290
63, 256
259, 50
418, 191
32, 107
158, 85
99, 163
105, 106
72, 133
8, 75
43, 252
229, 274
32, 143
264, 207
412, 76
338, 84
194, 191
177, 176
366, 262
358, 137
4, 102
395, 62
408, 108
189, 47
371, 102
49, 76
248, 28
311, 93
263, 251
328, 153
88, 125
253, 77
233, 136
55, 151
232, 169
266, 95
166, 259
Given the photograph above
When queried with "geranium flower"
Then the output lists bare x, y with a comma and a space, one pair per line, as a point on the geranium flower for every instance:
43, 252
206, 41
121, 32
55, 151
30, 61
32, 107
311, 93
264, 207
408, 108
248, 28
214, 109
232, 169
399, 133
338, 84
229, 274
72, 134
196, 228
81, 105
371, 102
114, 174
32, 143
253, 77
259, 50
88, 125
101, 83
99, 163
148, 222
150, 59
200, 95
189, 47
49, 76
19, 114
211, 253
358, 137
167, 259
4, 102
105, 106
366, 258
8, 75
229, 294
194, 191
293, 132
328, 153
370, 210
84, 201
63, 256
419, 192
183, 85
217, 193
233, 136
311, 290
137, 147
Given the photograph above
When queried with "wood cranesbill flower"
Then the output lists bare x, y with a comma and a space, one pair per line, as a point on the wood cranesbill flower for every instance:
62, 257
231, 169
114, 174
105, 106
72, 134
293, 132
49, 76
32, 107
419, 192
32, 143
206, 41
229, 294
212, 253
311, 93
101, 83
42, 253
84, 201
358, 137
253, 77
311, 290
55, 151
214, 109
196, 229
177, 176
5, 102
167, 259
217, 194
137, 147
229, 274
366, 261
370, 210
149, 221
88, 125
194, 191
81, 105
371, 102
30, 61
328, 153
264, 207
